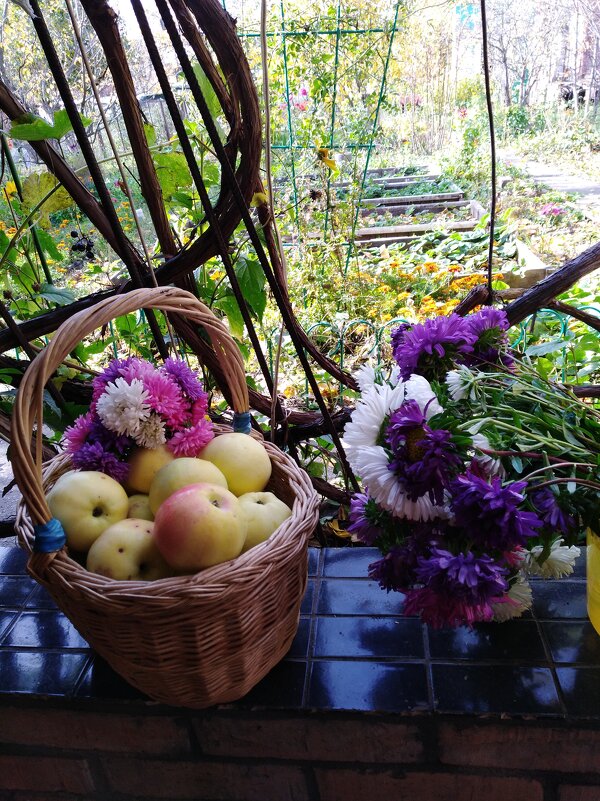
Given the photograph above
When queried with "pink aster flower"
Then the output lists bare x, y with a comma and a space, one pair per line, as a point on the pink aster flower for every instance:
77, 434
165, 397
199, 410
190, 441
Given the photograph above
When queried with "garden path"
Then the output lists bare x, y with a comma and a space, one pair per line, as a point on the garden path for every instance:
551, 175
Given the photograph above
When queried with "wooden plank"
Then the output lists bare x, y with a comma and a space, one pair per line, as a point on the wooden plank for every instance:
449, 204
409, 200
399, 180
414, 230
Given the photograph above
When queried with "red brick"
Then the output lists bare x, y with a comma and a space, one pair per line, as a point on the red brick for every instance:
356, 785
314, 739
522, 747
88, 730
572, 793
218, 781
45, 774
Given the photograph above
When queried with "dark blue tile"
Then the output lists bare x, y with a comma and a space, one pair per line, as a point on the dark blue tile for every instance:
581, 690
299, 647
368, 686
349, 562
282, 688
369, 637
101, 681
12, 561
313, 560
307, 601
573, 642
481, 689
515, 639
40, 673
6, 618
559, 599
44, 629
353, 597
14, 590
40, 598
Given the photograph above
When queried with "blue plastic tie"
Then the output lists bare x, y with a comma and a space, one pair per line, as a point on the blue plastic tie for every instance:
242, 422
49, 537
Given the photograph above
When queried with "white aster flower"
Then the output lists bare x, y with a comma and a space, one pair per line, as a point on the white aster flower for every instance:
123, 406
518, 600
492, 466
151, 432
369, 415
365, 377
560, 561
461, 383
418, 388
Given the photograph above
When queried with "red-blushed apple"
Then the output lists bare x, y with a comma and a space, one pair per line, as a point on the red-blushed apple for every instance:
144, 463
242, 460
127, 551
264, 513
181, 473
199, 526
139, 507
87, 502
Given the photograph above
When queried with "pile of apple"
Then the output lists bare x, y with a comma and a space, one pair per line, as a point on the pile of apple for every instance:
175, 516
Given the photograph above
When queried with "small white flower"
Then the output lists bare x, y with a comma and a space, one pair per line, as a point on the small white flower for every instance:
151, 433
122, 407
560, 561
460, 383
492, 466
518, 600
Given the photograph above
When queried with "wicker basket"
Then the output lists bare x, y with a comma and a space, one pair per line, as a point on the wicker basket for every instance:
190, 641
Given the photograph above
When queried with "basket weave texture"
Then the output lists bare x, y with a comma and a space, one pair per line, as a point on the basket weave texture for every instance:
188, 641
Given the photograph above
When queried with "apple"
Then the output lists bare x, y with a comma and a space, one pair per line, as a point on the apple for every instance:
139, 507
199, 526
180, 473
127, 551
86, 502
144, 463
242, 460
264, 512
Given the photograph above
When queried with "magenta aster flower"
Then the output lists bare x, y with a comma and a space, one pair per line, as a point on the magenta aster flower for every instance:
76, 435
457, 589
432, 348
199, 410
164, 396
490, 512
190, 441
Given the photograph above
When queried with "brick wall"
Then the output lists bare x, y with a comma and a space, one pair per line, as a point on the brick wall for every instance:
136, 752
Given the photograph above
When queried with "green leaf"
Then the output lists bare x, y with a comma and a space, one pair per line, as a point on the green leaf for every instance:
32, 128
545, 347
62, 297
48, 244
228, 304
210, 173
212, 101
252, 283
150, 132
172, 171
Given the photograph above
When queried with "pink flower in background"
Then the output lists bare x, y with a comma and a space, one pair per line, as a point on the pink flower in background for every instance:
551, 210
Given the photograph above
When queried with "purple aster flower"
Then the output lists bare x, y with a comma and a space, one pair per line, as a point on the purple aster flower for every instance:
490, 513
108, 376
457, 588
489, 326
94, 457
362, 511
433, 347
120, 444
186, 378
546, 505
397, 336
390, 572
432, 472
403, 422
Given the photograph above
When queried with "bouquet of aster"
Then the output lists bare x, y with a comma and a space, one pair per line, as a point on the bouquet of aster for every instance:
135, 404
476, 471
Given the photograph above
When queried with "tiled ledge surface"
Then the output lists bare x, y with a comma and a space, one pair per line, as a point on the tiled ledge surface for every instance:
353, 651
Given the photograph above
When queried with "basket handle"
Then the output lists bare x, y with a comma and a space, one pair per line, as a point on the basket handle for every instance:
28, 409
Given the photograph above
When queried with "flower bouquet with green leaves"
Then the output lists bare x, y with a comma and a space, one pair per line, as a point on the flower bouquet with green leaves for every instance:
476, 471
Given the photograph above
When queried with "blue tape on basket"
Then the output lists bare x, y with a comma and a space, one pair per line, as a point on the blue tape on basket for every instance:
49, 537
241, 422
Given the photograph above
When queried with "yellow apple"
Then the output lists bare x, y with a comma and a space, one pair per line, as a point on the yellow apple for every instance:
199, 526
144, 463
264, 513
127, 551
139, 507
86, 502
242, 460
180, 473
